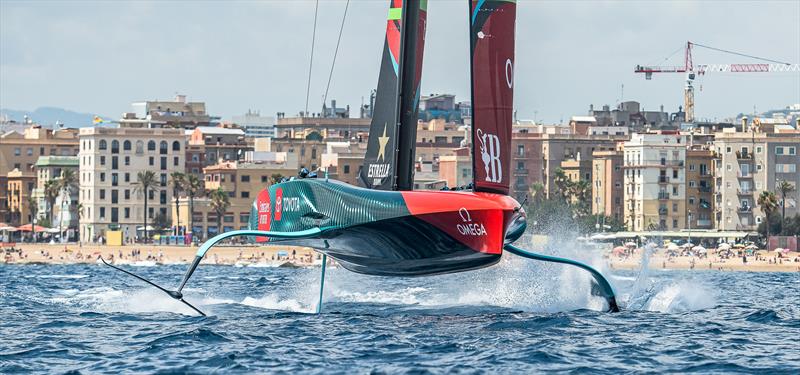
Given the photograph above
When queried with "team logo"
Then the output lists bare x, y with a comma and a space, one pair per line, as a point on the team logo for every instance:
469, 228
509, 68
490, 155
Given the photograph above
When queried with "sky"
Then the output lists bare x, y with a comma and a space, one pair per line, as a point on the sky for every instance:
100, 56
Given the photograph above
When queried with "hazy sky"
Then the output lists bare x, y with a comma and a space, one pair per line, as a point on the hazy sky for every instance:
99, 56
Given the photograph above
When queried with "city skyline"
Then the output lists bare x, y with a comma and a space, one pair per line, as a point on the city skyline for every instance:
259, 58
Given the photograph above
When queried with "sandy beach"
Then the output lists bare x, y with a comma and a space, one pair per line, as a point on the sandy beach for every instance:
274, 255
148, 254
763, 261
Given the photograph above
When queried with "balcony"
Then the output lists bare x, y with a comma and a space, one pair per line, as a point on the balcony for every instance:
663, 211
704, 189
663, 195
744, 155
520, 172
663, 179
704, 204
740, 174
744, 209
744, 192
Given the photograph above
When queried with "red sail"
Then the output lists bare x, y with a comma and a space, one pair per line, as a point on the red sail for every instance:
492, 61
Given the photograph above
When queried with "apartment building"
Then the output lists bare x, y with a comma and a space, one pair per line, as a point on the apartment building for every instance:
699, 188
557, 148
19, 151
746, 164
607, 183
110, 159
526, 162
210, 145
655, 181
177, 113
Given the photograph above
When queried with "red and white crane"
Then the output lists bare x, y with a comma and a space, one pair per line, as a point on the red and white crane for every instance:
693, 70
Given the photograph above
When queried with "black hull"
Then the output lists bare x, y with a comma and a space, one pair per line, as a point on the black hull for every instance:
405, 246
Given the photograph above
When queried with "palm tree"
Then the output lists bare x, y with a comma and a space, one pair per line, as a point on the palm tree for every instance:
220, 204
146, 182
193, 187
65, 184
537, 192
33, 204
178, 182
784, 187
51, 192
768, 204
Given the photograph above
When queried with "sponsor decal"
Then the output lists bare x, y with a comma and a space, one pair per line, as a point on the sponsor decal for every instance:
468, 227
264, 213
509, 73
490, 155
278, 203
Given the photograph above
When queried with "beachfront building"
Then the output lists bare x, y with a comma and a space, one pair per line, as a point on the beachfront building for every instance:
64, 212
557, 148
654, 181
699, 188
110, 159
748, 163
19, 150
526, 158
19, 186
242, 181
343, 160
607, 180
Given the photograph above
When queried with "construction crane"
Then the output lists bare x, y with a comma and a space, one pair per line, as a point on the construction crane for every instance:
691, 70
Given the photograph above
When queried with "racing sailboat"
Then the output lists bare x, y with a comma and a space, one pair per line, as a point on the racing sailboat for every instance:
384, 227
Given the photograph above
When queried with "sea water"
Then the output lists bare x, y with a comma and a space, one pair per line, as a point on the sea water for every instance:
516, 316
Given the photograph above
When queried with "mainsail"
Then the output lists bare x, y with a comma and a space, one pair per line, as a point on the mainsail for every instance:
492, 64
390, 142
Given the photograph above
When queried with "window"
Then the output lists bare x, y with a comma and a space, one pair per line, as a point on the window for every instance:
152, 161
29, 151
162, 197
785, 168
127, 177
163, 163
114, 179
102, 146
674, 223
102, 160
127, 194
245, 178
521, 150
674, 207
151, 146
102, 177
691, 167
114, 196
151, 195
102, 213
728, 167
176, 161
115, 162
691, 201
347, 168
102, 194
176, 146
245, 194
127, 160
115, 147
163, 179
691, 183
779, 150
728, 149
139, 147
792, 151
162, 148
227, 219
758, 149
126, 146
127, 212
264, 178
244, 217
674, 173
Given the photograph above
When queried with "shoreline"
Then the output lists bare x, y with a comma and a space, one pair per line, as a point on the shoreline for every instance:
297, 256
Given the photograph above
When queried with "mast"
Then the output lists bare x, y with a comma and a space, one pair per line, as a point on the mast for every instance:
415, 14
492, 25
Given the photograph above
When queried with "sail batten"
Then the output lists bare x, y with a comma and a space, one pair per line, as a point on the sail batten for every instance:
492, 24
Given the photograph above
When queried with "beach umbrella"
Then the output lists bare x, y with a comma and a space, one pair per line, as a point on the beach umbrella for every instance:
738, 245
7, 228
149, 228
699, 249
751, 247
673, 247
30, 227
786, 251
630, 244
687, 245
283, 253
779, 250
52, 230
724, 246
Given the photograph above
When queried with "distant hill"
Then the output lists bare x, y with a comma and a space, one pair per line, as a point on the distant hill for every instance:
49, 115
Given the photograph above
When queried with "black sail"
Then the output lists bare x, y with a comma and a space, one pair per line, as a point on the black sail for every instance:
382, 160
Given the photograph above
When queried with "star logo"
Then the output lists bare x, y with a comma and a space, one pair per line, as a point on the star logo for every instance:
382, 141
